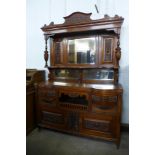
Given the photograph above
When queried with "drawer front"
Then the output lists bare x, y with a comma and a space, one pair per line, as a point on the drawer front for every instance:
102, 104
47, 93
47, 97
98, 98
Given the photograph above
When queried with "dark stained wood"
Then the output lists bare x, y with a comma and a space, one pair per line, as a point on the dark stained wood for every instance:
77, 105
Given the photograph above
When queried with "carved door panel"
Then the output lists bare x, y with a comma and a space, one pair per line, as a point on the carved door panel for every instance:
96, 125
53, 119
57, 52
107, 48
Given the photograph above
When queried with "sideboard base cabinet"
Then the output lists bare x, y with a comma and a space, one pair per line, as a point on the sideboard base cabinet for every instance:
82, 109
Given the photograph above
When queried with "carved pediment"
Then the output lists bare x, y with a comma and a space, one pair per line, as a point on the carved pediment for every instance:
79, 21
77, 18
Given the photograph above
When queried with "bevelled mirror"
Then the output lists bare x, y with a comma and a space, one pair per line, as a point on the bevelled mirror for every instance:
82, 51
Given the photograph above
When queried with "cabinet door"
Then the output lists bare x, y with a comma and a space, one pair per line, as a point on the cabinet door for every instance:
107, 44
97, 125
57, 52
52, 118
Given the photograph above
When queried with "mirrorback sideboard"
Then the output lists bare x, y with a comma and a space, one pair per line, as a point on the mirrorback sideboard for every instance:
82, 95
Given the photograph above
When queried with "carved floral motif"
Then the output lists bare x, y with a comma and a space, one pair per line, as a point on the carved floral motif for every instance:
77, 17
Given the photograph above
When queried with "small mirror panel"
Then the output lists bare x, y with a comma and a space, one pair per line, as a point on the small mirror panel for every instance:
98, 74
66, 74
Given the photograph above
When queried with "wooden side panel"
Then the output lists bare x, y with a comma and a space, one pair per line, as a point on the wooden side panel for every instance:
30, 110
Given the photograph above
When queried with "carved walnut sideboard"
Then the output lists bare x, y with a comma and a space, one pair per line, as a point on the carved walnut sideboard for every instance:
82, 95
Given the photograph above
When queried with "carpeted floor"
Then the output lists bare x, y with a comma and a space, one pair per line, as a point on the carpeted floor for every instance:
48, 142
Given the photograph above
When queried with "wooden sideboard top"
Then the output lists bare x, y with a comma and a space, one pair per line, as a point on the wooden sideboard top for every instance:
104, 87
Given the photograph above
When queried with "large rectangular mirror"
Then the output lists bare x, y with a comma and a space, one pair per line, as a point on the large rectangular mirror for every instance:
82, 51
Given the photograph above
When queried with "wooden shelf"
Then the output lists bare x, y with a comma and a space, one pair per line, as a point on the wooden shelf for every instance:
105, 66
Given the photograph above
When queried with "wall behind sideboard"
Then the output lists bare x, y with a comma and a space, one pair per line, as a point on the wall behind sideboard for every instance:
40, 12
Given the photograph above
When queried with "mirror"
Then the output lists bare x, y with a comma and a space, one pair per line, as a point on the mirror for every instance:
82, 51
66, 74
98, 74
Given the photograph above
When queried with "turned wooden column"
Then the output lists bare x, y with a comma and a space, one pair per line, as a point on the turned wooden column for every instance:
46, 51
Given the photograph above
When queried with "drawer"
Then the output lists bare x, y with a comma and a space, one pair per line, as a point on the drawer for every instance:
103, 99
47, 97
101, 104
48, 101
47, 93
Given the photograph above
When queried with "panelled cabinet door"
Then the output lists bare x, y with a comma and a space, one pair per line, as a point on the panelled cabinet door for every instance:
107, 46
57, 52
